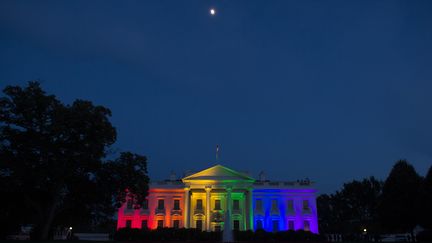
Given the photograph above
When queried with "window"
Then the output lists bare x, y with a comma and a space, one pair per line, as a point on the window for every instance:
176, 204
160, 223
217, 205
306, 225
145, 204
128, 223
218, 228
236, 205
199, 224
274, 204
258, 204
129, 204
291, 224
259, 224
144, 224
290, 206
199, 204
305, 205
275, 225
176, 224
161, 204
236, 224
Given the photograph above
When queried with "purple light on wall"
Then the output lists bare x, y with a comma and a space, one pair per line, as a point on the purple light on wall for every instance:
277, 219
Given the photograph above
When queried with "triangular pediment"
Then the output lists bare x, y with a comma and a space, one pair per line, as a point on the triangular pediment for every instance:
218, 173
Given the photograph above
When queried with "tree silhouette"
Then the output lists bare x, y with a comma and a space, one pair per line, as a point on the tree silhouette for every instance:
426, 201
399, 208
353, 208
52, 160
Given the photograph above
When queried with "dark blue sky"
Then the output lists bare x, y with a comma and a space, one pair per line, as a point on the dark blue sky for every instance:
330, 90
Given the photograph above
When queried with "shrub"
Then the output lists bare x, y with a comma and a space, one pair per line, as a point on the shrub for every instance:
194, 235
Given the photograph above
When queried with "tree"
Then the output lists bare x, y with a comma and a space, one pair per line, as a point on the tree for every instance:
426, 201
122, 180
353, 208
361, 199
52, 159
399, 202
327, 216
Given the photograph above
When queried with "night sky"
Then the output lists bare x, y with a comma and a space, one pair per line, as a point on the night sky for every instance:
329, 90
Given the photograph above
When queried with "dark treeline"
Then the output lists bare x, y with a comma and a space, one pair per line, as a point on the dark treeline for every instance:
370, 206
57, 168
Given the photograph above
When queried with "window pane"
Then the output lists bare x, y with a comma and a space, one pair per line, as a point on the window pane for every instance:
291, 224
217, 205
258, 204
199, 224
305, 204
176, 204
199, 204
160, 223
176, 224
236, 205
161, 204
306, 225
236, 225
274, 204
259, 224
290, 205
129, 204
144, 224
275, 225
145, 204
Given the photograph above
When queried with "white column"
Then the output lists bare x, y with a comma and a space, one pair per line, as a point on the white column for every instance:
208, 189
246, 210
187, 207
251, 209
229, 205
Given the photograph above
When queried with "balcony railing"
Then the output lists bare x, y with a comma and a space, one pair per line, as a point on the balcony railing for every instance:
199, 211
144, 211
236, 211
217, 217
274, 211
306, 211
128, 211
259, 211
160, 211
176, 212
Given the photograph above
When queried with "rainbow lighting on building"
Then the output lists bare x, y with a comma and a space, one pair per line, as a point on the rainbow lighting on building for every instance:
202, 200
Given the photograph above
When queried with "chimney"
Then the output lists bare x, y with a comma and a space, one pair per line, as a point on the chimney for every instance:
173, 176
262, 176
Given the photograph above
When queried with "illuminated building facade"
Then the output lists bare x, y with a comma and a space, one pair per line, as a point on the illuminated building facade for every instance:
202, 200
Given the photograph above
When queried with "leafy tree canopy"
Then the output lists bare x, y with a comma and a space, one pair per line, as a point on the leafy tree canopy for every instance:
350, 209
399, 208
426, 201
53, 160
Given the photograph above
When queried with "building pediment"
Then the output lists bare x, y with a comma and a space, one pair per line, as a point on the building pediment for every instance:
218, 173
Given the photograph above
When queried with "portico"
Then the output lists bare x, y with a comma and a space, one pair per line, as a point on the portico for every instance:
209, 194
